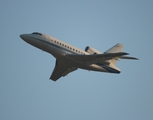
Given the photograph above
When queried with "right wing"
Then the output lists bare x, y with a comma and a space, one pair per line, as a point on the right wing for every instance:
61, 69
91, 59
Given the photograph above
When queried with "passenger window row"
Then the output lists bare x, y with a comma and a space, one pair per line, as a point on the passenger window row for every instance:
66, 46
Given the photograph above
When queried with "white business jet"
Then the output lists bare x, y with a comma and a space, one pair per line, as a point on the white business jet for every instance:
70, 58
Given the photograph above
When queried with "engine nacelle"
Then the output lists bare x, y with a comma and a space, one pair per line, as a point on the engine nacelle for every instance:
91, 50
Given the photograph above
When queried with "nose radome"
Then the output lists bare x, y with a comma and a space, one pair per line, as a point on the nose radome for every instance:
25, 37
22, 36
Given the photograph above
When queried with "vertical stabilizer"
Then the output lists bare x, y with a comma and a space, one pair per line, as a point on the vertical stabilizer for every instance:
115, 49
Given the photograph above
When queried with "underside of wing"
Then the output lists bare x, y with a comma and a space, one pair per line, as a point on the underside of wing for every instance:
94, 58
61, 69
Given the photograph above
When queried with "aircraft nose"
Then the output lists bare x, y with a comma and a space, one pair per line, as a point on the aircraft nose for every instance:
22, 36
25, 37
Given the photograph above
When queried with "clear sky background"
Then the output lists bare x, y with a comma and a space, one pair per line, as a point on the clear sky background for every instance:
26, 93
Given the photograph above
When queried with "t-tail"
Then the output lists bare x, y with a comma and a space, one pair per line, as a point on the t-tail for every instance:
115, 49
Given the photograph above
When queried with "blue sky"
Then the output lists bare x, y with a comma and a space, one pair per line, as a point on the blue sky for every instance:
25, 89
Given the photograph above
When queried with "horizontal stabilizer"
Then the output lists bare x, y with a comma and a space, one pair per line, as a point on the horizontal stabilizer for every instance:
126, 57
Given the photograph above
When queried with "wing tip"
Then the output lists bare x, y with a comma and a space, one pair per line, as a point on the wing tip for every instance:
53, 79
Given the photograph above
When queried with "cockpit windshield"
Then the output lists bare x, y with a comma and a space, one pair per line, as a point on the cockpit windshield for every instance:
36, 33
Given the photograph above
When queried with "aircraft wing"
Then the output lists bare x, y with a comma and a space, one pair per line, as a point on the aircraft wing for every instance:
61, 69
91, 59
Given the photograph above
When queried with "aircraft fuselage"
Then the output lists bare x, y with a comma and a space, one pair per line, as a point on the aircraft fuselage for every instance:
59, 50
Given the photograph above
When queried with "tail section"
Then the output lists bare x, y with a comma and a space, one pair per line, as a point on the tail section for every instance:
116, 48
110, 64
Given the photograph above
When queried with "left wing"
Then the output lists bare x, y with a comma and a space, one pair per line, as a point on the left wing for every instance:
61, 69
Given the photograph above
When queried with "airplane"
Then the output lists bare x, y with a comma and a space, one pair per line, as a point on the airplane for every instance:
70, 58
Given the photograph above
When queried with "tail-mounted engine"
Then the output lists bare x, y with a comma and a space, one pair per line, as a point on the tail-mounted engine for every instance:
91, 50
